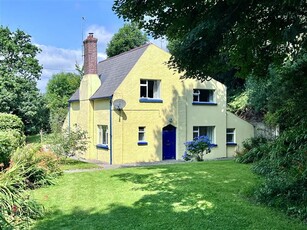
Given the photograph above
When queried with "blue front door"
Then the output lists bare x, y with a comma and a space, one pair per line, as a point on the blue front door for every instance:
169, 142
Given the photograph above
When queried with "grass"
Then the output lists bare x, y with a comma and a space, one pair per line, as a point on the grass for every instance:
32, 139
206, 195
70, 164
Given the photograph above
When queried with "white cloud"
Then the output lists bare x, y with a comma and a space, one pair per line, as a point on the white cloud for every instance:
103, 36
56, 60
100, 33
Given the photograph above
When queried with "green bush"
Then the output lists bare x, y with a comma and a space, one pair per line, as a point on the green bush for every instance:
42, 166
11, 137
69, 142
10, 121
253, 150
284, 168
17, 209
9, 142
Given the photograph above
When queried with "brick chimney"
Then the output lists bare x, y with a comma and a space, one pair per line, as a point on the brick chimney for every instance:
90, 54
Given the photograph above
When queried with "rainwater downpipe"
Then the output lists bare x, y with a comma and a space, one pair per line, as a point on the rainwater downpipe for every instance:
111, 131
68, 117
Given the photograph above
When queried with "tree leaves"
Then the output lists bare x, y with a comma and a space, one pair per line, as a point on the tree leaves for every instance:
214, 37
19, 71
127, 38
18, 55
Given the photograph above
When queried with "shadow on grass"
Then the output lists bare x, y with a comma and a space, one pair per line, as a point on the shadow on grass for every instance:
176, 198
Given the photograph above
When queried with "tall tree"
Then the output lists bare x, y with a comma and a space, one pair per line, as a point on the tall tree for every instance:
127, 38
19, 70
18, 55
214, 37
59, 89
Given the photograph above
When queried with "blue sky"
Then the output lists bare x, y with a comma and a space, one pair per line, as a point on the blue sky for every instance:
56, 27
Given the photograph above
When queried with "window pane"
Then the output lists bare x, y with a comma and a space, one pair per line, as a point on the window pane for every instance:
230, 135
156, 89
141, 134
231, 131
104, 138
99, 134
150, 89
204, 131
203, 95
229, 138
102, 134
143, 91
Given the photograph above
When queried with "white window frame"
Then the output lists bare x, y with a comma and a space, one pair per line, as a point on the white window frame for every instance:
197, 97
156, 88
141, 134
231, 131
103, 135
209, 131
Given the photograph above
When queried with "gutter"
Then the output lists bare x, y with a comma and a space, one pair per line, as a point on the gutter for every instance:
111, 131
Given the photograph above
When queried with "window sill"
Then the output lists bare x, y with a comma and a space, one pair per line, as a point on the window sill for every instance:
231, 143
203, 103
213, 145
151, 100
101, 146
142, 143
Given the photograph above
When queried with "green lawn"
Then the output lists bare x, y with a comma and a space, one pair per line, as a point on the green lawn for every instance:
206, 195
69, 164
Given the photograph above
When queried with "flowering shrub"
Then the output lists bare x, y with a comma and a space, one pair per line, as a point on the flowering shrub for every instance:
69, 142
197, 148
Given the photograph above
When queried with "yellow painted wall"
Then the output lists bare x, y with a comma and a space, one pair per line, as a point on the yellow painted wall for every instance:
177, 106
208, 115
82, 112
101, 117
243, 130
153, 116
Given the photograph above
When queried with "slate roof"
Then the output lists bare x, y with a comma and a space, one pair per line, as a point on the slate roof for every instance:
75, 96
113, 71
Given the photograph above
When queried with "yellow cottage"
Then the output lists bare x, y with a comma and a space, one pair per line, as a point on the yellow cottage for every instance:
135, 109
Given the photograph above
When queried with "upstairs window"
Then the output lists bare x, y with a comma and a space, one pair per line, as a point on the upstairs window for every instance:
203, 95
204, 131
102, 134
230, 136
150, 89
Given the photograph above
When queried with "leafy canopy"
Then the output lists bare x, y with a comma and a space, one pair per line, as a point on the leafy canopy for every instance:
18, 55
127, 38
213, 37
59, 89
19, 70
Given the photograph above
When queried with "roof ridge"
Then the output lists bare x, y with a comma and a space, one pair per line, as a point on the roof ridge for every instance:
132, 50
